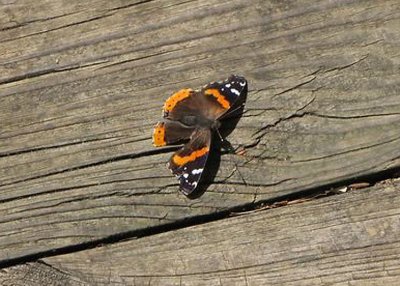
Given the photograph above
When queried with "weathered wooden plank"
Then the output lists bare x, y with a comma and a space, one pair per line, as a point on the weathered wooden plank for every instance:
349, 239
82, 85
36, 274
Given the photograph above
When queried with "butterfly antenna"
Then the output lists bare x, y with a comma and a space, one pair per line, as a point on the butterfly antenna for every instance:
240, 174
232, 160
236, 169
219, 135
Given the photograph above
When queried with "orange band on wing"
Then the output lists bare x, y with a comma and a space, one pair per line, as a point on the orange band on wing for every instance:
159, 135
219, 97
175, 98
178, 160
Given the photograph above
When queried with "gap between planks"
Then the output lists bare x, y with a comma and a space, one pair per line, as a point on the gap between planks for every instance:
286, 200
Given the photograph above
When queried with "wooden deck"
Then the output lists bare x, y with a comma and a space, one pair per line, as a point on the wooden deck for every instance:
86, 200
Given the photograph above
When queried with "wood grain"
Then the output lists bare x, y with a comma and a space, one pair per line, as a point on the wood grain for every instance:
82, 84
349, 239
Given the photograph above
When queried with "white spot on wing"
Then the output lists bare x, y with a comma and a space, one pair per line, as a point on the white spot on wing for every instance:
197, 171
242, 83
228, 85
235, 91
194, 184
186, 175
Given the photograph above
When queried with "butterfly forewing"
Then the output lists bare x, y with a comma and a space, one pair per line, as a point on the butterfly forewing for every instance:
225, 94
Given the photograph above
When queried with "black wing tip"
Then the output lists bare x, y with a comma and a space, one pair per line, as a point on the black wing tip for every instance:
186, 192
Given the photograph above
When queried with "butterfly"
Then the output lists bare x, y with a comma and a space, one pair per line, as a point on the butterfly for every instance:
194, 115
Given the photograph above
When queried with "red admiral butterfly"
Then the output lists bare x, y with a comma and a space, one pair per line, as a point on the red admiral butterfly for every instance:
195, 114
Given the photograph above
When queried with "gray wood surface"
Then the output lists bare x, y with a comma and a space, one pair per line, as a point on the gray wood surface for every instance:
82, 83
349, 239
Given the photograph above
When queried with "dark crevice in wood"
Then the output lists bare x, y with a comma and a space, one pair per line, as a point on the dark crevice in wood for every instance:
84, 198
315, 193
38, 73
351, 116
55, 146
34, 21
145, 28
138, 59
244, 183
130, 5
294, 87
346, 66
261, 132
98, 163
30, 74
62, 27
79, 121
109, 195
298, 113
58, 190
347, 151
83, 186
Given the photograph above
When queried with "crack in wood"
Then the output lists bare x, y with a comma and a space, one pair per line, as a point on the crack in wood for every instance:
347, 151
145, 28
130, 5
137, 59
98, 163
201, 219
297, 114
52, 70
339, 68
58, 190
351, 116
225, 182
34, 21
55, 146
295, 87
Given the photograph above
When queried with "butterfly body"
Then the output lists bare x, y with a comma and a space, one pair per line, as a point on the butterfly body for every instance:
200, 122
194, 115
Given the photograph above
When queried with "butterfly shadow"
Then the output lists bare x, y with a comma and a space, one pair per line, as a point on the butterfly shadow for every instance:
220, 146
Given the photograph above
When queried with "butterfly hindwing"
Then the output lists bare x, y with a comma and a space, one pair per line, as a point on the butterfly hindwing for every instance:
188, 163
169, 132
